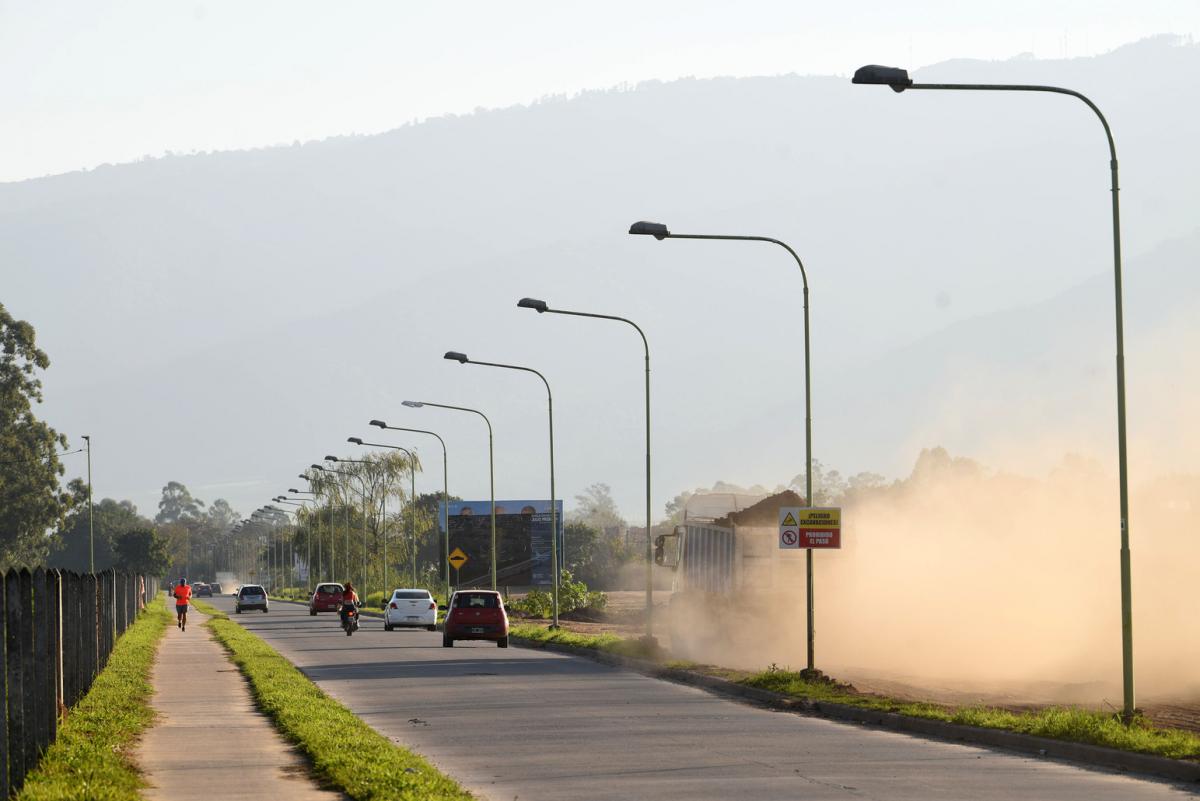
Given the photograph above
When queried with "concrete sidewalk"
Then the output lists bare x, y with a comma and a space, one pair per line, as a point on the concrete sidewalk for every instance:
209, 740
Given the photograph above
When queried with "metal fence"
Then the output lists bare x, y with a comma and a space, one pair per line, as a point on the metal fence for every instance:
58, 631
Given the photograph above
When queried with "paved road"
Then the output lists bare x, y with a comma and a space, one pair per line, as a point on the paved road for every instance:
530, 725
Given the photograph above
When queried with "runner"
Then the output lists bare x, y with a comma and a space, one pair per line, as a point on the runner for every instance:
182, 594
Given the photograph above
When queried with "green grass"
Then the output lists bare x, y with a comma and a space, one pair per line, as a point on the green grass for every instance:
90, 758
1059, 723
346, 753
611, 643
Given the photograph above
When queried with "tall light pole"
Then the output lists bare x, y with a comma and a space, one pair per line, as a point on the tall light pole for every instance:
661, 232
91, 531
899, 81
363, 483
462, 358
445, 494
412, 523
308, 538
491, 464
320, 559
541, 307
333, 534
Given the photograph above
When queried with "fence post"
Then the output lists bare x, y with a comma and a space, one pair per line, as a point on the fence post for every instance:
40, 689
29, 696
13, 610
4, 787
54, 660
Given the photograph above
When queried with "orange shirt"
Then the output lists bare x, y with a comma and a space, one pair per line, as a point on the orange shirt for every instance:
182, 593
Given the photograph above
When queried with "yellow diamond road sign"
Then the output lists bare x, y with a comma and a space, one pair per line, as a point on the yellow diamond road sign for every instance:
789, 520
457, 558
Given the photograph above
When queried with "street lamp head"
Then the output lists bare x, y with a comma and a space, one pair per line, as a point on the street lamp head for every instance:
875, 75
455, 356
294, 490
329, 458
656, 230
317, 467
354, 440
412, 404
379, 423
302, 477
533, 303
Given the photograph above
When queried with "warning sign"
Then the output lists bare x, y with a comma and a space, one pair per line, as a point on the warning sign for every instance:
789, 527
803, 527
457, 558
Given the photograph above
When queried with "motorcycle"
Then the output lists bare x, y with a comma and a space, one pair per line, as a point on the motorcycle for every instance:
350, 619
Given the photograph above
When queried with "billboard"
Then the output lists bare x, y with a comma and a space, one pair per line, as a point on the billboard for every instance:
522, 541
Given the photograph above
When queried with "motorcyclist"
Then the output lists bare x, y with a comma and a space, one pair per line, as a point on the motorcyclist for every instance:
349, 601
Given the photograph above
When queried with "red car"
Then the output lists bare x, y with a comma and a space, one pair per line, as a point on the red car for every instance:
326, 598
475, 615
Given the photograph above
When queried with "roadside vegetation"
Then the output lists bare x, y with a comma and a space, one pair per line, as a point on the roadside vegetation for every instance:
90, 758
1059, 723
345, 752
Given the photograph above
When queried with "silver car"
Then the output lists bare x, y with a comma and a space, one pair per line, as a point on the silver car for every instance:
250, 596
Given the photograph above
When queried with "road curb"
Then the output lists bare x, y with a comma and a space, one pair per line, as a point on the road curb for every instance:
1078, 753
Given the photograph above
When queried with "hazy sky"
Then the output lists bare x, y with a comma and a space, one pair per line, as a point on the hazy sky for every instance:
84, 83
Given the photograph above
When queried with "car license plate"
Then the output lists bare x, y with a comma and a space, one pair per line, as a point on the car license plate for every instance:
477, 630
414, 617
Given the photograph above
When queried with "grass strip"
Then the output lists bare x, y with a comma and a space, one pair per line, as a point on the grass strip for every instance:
1059, 723
90, 759
346, 753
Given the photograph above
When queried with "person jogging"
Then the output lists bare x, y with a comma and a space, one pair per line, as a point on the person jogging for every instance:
182, 593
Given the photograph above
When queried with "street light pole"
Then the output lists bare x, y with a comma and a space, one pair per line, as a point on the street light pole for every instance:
308, 538
660, 232
491, 465
362, 483
542, 307
445, 494
91, 531
461, 358
320, 558
899, 81
412, 524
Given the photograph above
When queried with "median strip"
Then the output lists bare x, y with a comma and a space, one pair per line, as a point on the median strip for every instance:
345, 753
90, 758
1172, 752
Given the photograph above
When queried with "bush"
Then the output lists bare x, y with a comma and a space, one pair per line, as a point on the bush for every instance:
375, 599
572, 595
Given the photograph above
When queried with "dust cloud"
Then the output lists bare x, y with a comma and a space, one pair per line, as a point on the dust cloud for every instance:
986, 584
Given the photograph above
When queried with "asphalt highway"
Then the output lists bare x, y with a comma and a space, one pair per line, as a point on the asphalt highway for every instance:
526, 724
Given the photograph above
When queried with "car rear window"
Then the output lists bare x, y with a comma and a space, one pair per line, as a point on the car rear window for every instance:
329, 589
411, 595
476, 600
251, 591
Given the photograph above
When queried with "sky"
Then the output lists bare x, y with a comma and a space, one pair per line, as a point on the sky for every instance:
89, 83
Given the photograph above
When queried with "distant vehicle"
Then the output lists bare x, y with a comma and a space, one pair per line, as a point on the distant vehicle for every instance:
326, 598
203, 590
475, 615
250, 596
410, 608
216, 589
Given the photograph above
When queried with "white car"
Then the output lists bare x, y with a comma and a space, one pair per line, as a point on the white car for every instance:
410, 608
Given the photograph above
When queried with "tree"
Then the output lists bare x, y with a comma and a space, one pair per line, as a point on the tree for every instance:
142, 550
595, 507
111, 518
221, 516
31, 500
177, 505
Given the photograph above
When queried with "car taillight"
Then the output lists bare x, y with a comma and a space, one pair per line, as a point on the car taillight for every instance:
432, 605
392, 604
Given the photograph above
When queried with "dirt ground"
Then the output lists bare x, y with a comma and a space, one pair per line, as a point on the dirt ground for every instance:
625, 618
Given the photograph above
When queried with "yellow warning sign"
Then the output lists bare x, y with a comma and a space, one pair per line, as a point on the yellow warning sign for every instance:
789, 520
457, 558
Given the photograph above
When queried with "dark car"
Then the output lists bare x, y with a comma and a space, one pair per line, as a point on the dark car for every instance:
202, 590
216, 589
326, 598
475, 615
250, 596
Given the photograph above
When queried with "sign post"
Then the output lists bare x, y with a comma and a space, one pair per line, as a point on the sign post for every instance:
456, 559
805, 527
